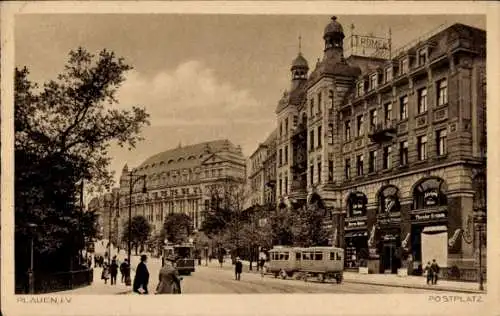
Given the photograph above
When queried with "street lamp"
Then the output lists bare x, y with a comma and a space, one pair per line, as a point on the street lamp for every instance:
133, 179
31, 276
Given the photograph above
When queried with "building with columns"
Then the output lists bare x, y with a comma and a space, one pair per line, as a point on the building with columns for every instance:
177, 181
395, 149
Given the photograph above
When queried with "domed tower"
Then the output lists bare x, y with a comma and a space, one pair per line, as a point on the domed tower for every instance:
299, 69
334, 39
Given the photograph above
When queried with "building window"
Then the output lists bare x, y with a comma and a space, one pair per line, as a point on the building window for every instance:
372, 161
373, 118
360, 125
441, 142
312, 173
387, 113
403, 153
312, 107
404, 66
319, 172
347, 130
403, 107
330, 170
311, 143
286, 184
280, 186
422, 57
373, 81
286, 155
360, 88
422, 147
330, 97
281, 129
442, 92
286, 126
388, 74
387, 158
320, 136
347, 168
319, 102
281, 157
422, 100
359, 165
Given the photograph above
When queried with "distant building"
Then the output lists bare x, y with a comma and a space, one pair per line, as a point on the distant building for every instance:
394, 149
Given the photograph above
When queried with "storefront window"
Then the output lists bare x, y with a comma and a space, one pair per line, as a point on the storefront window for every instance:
356, 204
429, 193
389, 200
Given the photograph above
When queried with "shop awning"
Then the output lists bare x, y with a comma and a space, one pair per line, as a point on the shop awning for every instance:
356, 234
435, 229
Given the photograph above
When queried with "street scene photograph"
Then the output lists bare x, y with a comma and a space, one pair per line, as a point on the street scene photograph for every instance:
187, 154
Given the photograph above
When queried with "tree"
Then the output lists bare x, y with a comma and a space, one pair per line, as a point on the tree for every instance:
177, 227
308, 226
63, 131
140, 232
226, 216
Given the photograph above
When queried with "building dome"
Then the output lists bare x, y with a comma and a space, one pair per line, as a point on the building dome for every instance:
334, 28
300, 62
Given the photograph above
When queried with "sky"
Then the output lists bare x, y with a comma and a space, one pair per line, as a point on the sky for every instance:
201, 77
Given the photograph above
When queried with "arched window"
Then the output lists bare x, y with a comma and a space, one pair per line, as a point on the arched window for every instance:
388, 200
356, 204
479, 187
429, 193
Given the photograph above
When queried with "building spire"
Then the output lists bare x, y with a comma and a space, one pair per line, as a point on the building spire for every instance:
300, 44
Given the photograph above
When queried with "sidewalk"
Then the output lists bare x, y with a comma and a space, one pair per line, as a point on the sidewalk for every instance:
414, 282
98, 287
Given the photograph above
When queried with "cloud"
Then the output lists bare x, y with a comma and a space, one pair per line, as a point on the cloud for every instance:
188, 105
191, 94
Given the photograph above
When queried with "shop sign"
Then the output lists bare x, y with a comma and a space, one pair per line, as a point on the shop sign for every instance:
389, 220
390, 203
389, 237
355, 224
435, 216
431, 197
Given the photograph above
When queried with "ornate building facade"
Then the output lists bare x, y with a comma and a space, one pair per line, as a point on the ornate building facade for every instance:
177, 181
394, 148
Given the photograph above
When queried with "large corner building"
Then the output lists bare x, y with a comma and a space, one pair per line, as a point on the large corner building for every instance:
394, 148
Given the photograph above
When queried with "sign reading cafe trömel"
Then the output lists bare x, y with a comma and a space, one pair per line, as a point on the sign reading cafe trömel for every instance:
370, 42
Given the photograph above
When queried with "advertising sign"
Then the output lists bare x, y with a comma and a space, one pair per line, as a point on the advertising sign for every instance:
429, 216
431, 197
370, 42
356, 224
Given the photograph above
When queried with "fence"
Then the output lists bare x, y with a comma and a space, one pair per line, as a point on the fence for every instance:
54, 282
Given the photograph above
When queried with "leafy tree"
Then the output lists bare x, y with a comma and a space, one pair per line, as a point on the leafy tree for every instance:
63, 131
177, 227
308, 226
140, 232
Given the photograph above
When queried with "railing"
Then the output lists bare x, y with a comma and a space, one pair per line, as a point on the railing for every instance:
54, 282
465, 274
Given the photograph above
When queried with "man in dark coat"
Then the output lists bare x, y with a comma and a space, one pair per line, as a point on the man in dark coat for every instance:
170, 281
124, 268
435, 271
113, 270
141, 279
238, 268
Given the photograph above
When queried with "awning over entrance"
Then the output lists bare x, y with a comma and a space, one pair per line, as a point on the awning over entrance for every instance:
434, 229
356, 234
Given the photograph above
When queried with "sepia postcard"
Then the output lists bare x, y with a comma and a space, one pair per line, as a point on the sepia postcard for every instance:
249, 158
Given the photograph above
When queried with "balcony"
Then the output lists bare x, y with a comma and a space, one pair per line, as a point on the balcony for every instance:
382, 132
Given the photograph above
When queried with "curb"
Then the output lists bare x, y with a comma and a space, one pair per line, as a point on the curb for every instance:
417, 287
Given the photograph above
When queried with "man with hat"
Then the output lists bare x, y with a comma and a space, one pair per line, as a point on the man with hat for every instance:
170, 281
238, 268
141, 279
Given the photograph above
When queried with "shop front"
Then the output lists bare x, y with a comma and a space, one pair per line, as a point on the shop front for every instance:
389, 230
429, 224
356, 234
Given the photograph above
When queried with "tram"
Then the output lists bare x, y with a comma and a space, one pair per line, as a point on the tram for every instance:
185, 257
284, 261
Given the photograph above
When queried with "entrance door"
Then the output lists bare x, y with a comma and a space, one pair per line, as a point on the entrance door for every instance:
389, 252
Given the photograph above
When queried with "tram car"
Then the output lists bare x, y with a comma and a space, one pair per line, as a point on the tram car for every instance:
323, 263
185, 257
284, 261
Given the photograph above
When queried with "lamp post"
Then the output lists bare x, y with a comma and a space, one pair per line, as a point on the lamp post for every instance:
109, 232
133, 179
31, 276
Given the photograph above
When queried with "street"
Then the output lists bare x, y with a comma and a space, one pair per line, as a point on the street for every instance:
212, 279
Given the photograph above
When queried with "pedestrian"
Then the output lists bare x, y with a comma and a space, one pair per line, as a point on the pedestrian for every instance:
169, 279
141, 279
238, 268
435, 271
428, 272
113, 270
105, 273
221, 260
123, 269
